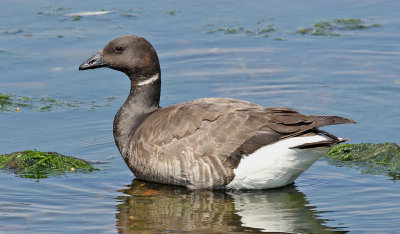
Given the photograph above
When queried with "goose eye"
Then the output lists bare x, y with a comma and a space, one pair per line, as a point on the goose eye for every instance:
119, 49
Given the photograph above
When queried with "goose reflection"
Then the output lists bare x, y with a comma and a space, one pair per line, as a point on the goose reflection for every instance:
163, 208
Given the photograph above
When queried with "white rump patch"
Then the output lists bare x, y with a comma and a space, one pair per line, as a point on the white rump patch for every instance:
277, 165
149, 80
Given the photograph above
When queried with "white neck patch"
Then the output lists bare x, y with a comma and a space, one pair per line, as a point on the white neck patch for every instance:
149, 80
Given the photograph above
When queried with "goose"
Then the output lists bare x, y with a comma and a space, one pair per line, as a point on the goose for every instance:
208, 143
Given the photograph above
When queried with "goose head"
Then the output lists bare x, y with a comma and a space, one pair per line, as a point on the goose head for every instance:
132, 55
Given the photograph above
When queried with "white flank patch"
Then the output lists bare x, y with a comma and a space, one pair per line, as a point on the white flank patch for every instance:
150, 80
277, 165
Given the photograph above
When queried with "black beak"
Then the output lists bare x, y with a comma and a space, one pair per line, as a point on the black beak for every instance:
93, 62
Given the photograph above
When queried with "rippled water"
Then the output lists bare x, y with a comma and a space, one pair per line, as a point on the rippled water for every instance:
354, 75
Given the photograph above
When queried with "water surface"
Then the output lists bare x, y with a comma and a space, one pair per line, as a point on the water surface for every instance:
353, 75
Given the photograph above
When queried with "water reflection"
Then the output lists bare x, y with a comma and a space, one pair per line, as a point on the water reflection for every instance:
159, 208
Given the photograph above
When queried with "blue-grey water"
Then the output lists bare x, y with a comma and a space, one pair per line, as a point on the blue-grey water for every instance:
206, 49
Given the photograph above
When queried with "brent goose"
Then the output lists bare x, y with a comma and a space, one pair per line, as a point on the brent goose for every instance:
209, 142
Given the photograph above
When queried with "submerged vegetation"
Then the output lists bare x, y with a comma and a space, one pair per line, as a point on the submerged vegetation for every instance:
264, 28
370, 158
260, 32
4, 101
335, 27
261, 28
14, 32
241, 30
16, 103
173, 12
53, 11
39, 165
10, 102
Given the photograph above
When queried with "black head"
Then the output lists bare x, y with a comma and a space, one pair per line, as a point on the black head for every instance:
132, 55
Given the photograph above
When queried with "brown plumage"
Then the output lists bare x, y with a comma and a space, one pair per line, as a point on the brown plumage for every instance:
196, 144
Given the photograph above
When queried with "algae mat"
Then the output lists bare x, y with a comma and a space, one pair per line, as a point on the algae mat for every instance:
370, 158
40, 165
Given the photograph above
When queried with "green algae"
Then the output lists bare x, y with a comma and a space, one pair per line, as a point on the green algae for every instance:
15, 32
244, 31
11, 103
370, 158
335, 27
4, 100
228, 30
173, 12
261, 28
39, 165
50, 11
266, 30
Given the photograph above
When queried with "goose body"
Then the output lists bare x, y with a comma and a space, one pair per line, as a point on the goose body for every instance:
210, 142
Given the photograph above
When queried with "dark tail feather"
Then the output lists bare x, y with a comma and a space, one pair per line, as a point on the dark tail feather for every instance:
324, 120
326, 143
320, 121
